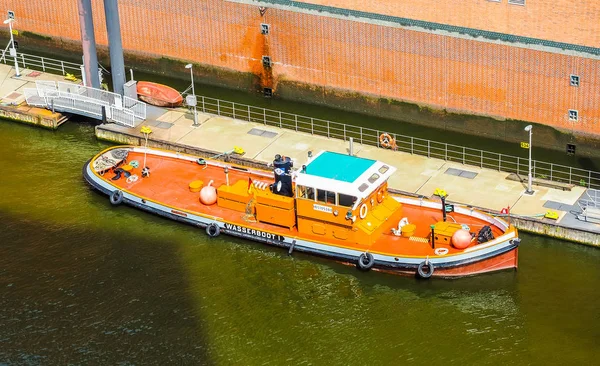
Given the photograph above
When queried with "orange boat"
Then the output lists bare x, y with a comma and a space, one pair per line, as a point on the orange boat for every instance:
158, 94
335, 205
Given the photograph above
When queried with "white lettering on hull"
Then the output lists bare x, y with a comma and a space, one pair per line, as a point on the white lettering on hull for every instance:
322, 208
253, 233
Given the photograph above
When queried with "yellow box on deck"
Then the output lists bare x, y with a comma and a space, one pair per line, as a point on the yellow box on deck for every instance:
408, 230
275, 209
276, 216
237, 191
268, 198
444, 231
234, 197
196, 186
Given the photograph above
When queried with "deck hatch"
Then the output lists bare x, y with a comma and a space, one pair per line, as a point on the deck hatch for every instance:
263, 133
460, 173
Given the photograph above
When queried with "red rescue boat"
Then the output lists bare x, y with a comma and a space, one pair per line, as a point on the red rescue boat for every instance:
158, 94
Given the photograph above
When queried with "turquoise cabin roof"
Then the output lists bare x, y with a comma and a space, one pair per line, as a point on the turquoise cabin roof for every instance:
337, 166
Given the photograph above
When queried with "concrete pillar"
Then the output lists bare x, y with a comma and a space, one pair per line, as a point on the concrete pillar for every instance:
115, 47
88, 42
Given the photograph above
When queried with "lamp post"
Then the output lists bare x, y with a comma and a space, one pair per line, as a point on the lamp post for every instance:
528, 128
192, 101
13, 50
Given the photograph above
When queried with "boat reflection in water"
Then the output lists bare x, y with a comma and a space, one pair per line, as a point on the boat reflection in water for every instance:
336, 206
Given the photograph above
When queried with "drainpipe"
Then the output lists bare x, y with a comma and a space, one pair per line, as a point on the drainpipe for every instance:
115, 47
88, 42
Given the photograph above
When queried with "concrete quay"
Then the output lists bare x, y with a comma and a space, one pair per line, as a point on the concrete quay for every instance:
12, 98
486, 189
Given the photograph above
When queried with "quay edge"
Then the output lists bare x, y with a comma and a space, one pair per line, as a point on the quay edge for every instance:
544, 227
33, 116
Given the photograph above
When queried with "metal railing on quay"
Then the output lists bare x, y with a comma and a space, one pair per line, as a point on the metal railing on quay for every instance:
46, 64
413, 145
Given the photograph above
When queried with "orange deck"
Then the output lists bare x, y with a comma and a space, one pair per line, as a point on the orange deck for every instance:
169, 180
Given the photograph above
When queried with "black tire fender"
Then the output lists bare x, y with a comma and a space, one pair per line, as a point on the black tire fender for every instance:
365, 261
116, 197
213, 230
424, 274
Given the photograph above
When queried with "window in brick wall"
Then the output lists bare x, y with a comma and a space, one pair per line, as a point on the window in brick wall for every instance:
516, 2
573, 115
574, 79
264, 28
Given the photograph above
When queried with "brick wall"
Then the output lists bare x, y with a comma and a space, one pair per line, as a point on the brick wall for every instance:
557, 20
387, 62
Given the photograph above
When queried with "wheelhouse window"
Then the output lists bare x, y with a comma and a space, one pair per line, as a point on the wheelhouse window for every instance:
305, 192
301, 191
326, 196
373, 178
346, 200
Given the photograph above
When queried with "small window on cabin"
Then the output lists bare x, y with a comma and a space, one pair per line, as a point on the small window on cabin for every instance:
301, 191
373, 178
363, 187
326, 196
310, 193
346, 200
383, 169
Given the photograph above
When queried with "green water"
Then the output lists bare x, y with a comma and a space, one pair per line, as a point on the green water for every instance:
82, 282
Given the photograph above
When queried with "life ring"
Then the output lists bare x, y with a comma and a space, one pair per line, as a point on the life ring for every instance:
213, 230
363, 211
386, 141
116, 197
441, 251
424, 274
365, 261
380, 196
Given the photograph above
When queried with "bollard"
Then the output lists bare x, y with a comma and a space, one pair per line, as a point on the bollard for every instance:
351, 147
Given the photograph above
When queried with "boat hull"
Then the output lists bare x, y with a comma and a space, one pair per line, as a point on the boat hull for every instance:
158, 94
502, 254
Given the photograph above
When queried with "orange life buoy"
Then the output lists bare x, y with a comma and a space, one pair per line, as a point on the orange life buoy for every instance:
386, 141
380, 196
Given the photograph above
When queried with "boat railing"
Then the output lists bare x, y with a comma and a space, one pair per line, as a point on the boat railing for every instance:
433, 149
